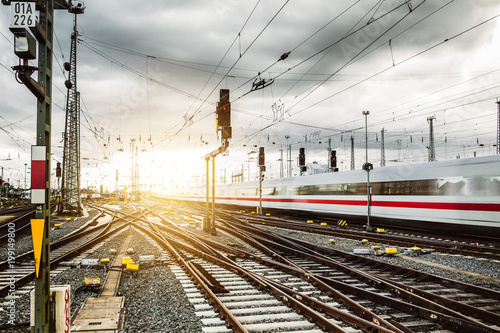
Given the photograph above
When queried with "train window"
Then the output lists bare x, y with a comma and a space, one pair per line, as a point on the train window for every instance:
495, 186
477, 186
269, 191
307, 190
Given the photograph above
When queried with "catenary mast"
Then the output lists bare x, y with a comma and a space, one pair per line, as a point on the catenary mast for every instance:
70, 187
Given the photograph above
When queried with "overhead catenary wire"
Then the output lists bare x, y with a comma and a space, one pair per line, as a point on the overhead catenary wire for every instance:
390, 67
234, 64
343, 66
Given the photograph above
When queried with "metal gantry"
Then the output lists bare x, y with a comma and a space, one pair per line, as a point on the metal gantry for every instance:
70, 187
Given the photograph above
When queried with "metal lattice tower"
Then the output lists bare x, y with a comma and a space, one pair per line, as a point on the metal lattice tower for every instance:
432, 149
498, 128
352, 153
70, 186
382, 149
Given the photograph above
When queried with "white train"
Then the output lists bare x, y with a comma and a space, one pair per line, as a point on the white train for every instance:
456, 196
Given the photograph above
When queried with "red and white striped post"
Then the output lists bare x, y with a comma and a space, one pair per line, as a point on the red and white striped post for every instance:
38, 174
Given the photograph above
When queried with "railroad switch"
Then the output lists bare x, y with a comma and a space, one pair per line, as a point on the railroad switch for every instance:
380, 230
332, 241
310, 221
57, 225
130, 250
323, 223
364, 241
112, 251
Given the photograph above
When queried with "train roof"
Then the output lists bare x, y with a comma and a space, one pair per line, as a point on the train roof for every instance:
467, 167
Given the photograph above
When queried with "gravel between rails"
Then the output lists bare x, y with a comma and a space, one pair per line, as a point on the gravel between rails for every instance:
481, 266
156, 302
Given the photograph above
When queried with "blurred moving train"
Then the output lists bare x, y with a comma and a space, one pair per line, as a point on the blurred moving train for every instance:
460, 197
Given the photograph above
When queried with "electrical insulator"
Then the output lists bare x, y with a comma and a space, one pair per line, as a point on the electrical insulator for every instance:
262, 156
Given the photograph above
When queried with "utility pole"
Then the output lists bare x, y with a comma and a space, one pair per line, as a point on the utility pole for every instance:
498, 128
25, 49
329, 150
352, 154
70, 191
262, 169
288, 157
382, 149
367, 167
282, 174
432, 150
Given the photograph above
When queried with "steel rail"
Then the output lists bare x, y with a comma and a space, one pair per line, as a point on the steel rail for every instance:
54, 262
438, 311
373, 326
448, 247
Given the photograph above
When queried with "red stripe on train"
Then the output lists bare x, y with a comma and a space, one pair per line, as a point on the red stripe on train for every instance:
488, 207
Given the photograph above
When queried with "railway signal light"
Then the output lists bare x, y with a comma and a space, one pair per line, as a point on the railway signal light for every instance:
302, 157
302, 160
224, 109
333, 159
24, 44
58, 170
262, 156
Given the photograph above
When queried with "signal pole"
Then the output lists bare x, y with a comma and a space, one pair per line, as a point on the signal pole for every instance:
367, 167
25, 48
223, 123
262, 169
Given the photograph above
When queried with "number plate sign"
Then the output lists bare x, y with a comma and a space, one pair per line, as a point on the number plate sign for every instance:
22, 14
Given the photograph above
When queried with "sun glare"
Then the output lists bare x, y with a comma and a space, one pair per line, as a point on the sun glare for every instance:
159, 171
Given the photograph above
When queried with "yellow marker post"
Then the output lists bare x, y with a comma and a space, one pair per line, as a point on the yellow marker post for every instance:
37, 226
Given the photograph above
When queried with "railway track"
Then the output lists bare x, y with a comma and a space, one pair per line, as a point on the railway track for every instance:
413, 301
21, 269
244, 291
491, 251
437, 298
248, 279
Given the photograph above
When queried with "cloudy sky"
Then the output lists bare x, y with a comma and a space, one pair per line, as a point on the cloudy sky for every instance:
151, 72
